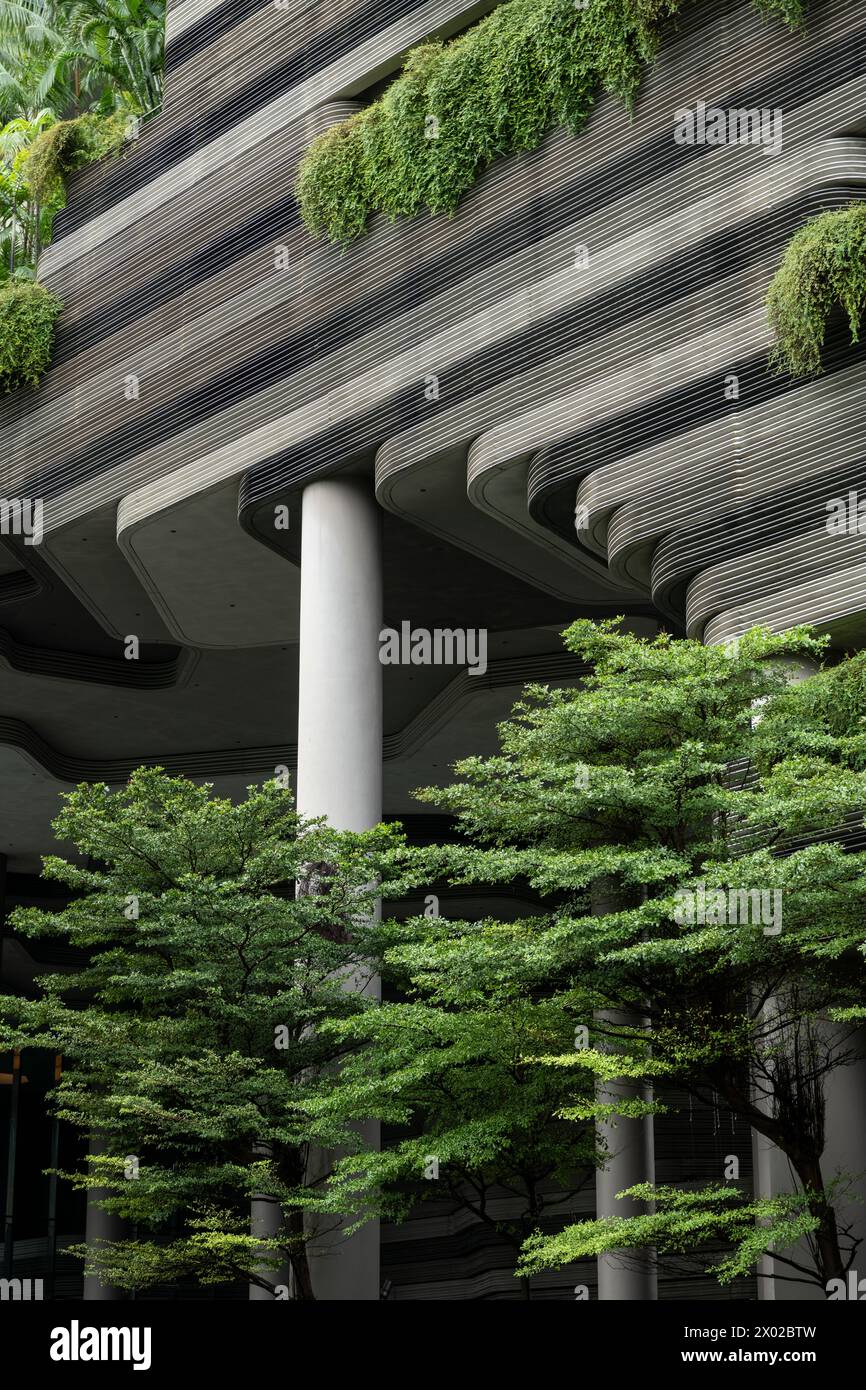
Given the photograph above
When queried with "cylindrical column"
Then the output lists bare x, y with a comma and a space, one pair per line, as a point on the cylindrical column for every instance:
340, 691
266, 1220
845, 1148
340, 744
627, 1276
772, 1172
101, 1226
630, 1275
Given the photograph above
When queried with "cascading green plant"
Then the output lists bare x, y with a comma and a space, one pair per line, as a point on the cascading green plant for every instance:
497, 89
27, 309
68, 145
824, 268
27, 316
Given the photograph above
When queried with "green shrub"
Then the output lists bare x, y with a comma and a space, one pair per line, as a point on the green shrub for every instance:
822, 717
791, 11
495, 90
27, 310
27, 315
68, 145
824, 268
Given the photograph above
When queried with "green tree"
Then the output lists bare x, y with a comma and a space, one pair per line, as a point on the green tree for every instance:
682, 812
191, 1032
451, 1066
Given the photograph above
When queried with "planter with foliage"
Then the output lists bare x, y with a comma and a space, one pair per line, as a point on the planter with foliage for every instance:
27, 315
497, 89
67, 146
37, 156
99, 59
823, 269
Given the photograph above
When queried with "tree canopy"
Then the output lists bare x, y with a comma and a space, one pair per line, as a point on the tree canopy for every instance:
682, 833
217, 938
710, 797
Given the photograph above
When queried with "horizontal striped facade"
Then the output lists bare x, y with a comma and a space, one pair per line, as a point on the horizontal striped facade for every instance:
603, 382
560, 349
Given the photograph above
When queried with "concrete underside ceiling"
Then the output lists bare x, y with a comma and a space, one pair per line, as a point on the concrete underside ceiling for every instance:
216, 613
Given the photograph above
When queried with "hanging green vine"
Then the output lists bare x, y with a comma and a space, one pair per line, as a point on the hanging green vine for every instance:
67, 145
27, 315
824, 268
527, 67
27, 309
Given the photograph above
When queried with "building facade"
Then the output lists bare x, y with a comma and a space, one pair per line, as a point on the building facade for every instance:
257, 450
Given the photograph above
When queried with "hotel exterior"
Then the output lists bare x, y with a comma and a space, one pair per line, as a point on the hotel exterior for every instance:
256, 450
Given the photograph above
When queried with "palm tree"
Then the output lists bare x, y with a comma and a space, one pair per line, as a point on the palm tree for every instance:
123, 41
22, 220
34, 67
71, 55
21, 216
61, 59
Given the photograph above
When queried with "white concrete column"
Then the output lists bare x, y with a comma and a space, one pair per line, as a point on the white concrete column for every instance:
340, 745
101, 1226
627, 1276
629, 1144
340, 693
845, 1146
